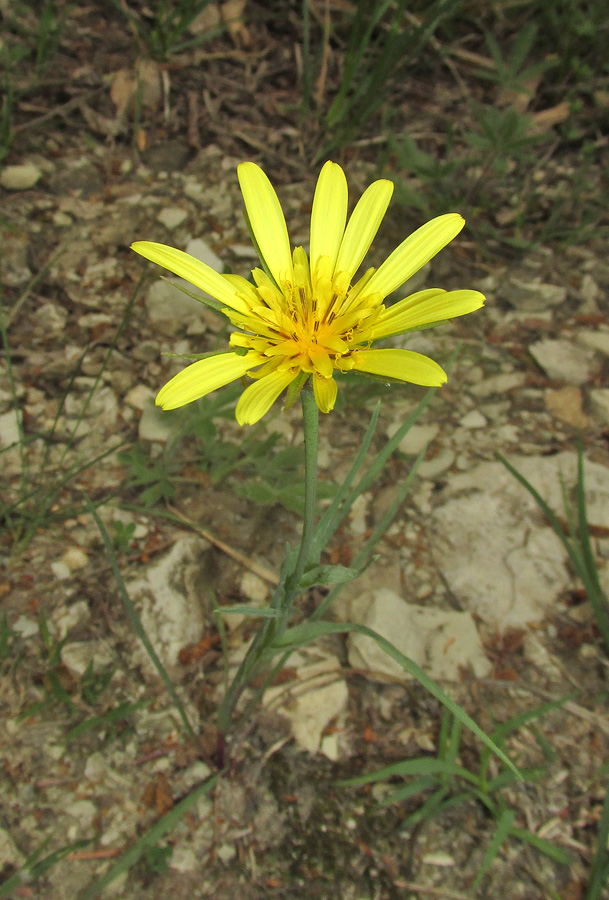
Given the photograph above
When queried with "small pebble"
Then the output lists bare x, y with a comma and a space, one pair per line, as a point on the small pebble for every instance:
75, 559
25, 627
473, 419
60, 570
172, 216
20, 177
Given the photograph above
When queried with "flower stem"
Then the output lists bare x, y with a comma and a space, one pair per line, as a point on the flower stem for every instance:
287, 590
310, 415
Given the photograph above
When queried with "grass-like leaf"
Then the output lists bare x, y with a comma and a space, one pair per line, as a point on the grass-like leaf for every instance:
136, 621
301, 635
502, 832
149, 839
576, 540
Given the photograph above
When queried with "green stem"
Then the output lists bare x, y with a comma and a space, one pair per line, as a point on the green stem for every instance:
310, 415
287, 590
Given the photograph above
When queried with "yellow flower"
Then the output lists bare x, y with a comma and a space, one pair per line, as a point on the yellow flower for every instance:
305, 317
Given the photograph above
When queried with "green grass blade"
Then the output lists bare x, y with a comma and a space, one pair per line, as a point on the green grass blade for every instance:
305, 634
149, 839
409, 790
532, 773
136, 622
418, 766
111, 348
578, 549
501, 833
546, 509
23, 465
363, 558
32, 869
432, 807
444, 734
327, 525
600, 864
598, 599
120, 712
515, 723
541, 845
254, 612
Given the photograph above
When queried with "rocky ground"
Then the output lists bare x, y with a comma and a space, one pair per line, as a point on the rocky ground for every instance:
470, 580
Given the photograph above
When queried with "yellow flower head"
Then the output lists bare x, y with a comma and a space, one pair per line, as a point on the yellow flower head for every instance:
306, 317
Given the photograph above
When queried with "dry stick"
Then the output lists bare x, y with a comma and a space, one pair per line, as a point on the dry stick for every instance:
194, 139
239, 557
65, 107
575, 709
9, 318
432, 891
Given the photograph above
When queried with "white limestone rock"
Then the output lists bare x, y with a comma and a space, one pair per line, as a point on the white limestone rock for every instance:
20, 177
79, 655
9, 428
312, 701
154, 424
472, 420
201, 250
563, 360
599, 405
170, 601
415, 439
172, 216
170, 310
532, 296
493, 546
595, 340
442, 642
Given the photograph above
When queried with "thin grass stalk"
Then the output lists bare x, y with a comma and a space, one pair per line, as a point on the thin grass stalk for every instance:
150, 838
584, 565
23, 462
310, 415
137, 623
365, 553
324, 524
307, 79
119, 331
288, 588
376, 466
599, 873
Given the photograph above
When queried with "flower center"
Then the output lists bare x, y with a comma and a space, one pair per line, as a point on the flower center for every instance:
313, 323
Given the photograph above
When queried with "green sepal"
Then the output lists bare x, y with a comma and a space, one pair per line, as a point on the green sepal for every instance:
193, 357
294, 389
255, 612
326, 575
202, 298
425, 327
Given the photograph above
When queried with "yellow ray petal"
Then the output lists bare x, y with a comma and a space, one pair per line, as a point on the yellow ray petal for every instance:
425, 308
204, 376
191, 269
325, 391
320, 360
363, 226
405, 365
267, 220
257, 399
414, 252
328, 216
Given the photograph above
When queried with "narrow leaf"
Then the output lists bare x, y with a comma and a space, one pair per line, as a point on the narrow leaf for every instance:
502, 831
304, 634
